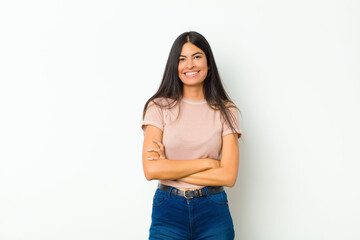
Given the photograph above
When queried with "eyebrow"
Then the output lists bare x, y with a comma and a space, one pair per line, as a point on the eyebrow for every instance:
192, 54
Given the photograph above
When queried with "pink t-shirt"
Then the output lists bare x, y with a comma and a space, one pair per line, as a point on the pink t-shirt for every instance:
196, 133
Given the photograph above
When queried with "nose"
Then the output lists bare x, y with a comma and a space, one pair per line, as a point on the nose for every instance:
190, 64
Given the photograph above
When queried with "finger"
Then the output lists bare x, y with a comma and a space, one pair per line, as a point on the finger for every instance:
153, 150
159, 151
153, 158
159, 143
155, 141
162, 148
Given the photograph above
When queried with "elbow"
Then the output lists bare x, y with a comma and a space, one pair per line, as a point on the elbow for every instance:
149, 168
229, 177
230, 181
230, 184
148, 172
152, 172
148, 176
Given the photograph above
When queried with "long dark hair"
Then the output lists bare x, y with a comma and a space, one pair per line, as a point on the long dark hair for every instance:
172, 87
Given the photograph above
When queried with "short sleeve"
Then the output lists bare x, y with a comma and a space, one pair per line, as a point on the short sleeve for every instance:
236, 123
153, 116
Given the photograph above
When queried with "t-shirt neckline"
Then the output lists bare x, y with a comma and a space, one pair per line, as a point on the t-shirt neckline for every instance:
187, 100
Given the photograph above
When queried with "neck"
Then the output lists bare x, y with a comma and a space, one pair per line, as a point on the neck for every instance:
193, 92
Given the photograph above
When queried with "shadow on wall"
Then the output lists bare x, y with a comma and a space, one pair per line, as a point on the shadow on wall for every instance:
238, 196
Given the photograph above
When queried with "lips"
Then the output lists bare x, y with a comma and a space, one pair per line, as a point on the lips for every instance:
192, 73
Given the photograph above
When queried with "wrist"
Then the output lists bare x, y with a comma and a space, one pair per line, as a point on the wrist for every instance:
212, 163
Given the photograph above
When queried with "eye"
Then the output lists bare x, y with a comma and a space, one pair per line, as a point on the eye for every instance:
181, 59
197, 56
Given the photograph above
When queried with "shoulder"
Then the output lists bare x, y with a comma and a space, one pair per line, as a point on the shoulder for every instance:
232, 111
230, 106
162, 102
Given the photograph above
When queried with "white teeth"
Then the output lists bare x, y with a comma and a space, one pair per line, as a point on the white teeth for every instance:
191, 73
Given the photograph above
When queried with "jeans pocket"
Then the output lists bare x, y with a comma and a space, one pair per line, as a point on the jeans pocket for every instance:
159, 199
219, 198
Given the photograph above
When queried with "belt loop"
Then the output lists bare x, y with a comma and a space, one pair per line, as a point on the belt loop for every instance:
169, 193
207, 192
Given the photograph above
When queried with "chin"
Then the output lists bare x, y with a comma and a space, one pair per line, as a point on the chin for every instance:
192, 82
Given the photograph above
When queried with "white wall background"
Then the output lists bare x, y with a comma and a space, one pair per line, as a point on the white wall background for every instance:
76, 74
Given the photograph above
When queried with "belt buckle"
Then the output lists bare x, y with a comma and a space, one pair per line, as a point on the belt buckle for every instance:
187, 196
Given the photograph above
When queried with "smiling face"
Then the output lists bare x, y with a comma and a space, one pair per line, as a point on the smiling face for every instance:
192, 67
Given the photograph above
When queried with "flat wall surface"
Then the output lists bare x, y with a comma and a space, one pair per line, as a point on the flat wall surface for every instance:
74, 78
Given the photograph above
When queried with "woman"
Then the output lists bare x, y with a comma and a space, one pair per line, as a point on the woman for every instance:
187, 123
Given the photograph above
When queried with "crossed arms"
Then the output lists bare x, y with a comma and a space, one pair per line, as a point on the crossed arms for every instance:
206, 171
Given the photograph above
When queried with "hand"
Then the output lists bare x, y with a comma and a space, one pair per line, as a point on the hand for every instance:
160, 150
214, 163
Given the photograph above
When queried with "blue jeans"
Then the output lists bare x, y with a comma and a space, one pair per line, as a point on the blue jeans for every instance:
175, 217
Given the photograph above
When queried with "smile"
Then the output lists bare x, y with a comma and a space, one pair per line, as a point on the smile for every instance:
192, 74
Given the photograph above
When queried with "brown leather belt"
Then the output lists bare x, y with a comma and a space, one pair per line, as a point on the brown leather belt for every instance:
191, 193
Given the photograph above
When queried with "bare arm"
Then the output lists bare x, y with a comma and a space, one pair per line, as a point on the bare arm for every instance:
165, 168
226, 174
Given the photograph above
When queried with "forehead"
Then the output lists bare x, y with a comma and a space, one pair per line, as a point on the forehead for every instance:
189, 49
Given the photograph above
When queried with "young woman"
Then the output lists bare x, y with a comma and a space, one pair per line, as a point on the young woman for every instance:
188, 123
